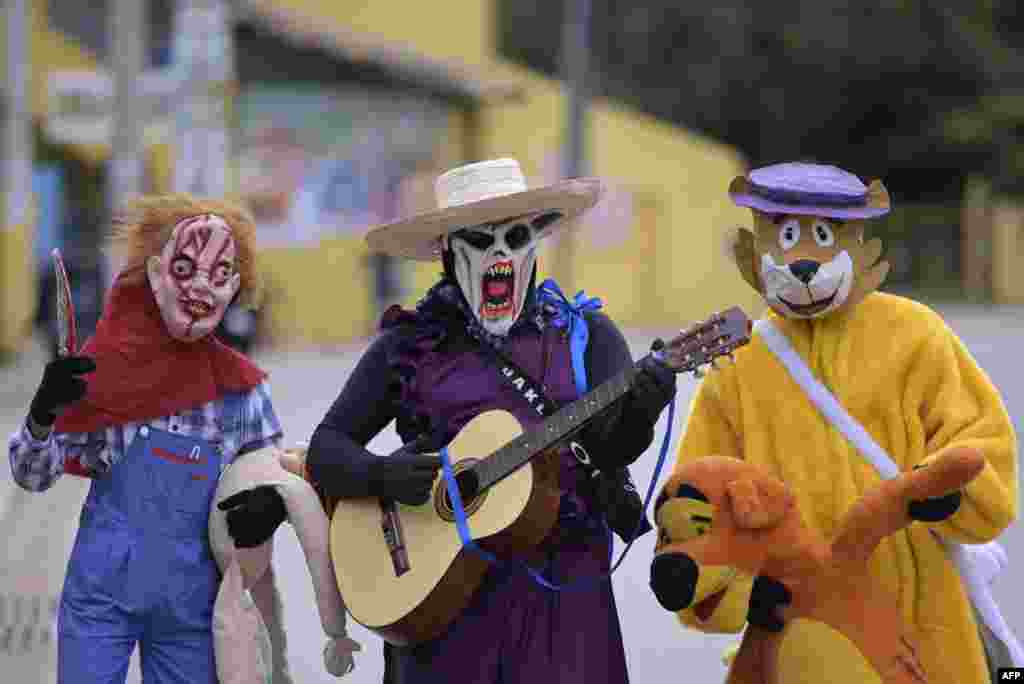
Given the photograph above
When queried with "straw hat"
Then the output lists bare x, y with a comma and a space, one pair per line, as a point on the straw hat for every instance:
484, 192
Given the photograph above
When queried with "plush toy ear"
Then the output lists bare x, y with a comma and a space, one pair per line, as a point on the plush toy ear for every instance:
878, 196
872, 252
742, 249
872, 272
758, 504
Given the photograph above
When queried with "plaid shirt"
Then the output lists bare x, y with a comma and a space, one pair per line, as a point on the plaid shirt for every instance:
36, 464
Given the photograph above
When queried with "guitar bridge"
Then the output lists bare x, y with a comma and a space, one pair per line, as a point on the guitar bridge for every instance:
391, 525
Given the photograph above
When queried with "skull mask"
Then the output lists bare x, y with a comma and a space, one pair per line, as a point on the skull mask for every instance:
493, 264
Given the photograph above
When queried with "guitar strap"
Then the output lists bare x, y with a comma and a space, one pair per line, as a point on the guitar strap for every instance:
515, 377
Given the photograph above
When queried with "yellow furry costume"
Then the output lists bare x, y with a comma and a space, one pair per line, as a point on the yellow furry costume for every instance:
906, 377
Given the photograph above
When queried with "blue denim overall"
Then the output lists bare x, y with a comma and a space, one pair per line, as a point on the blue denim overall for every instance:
141, 569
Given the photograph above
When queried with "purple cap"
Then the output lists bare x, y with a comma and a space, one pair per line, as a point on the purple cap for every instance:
812, 189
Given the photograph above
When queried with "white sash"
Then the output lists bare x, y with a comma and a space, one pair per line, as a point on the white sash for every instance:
978, 564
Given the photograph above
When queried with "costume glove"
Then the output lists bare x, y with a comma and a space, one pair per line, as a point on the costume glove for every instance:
253, 515
406, 476
935, 509
61, 385
623, 432
653, 388
765, 597
621, 503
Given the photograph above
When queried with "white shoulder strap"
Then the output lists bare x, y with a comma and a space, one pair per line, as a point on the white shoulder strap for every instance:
825, 401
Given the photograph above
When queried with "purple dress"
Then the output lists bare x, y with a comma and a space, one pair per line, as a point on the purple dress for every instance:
515, 630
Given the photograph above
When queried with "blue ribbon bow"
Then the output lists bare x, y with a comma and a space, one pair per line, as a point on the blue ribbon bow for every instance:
570, 314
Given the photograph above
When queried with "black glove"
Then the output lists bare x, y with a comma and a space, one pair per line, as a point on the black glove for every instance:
622, 504
653, 388
765, 597
61, 385
936, 509
405, 476
253, 515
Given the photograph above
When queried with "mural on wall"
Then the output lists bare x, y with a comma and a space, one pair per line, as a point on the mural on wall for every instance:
315, 162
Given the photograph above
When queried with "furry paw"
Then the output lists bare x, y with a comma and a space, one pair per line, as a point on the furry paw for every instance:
766, 597
934, 509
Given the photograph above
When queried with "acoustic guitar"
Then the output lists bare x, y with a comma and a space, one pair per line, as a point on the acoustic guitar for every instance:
402, 570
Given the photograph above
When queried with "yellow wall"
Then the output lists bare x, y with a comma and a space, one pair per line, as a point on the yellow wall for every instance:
673, 267
447, 29
17, 287
317, 295
689, 176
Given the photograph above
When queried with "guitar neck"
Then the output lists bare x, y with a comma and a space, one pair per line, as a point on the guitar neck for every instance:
555, 428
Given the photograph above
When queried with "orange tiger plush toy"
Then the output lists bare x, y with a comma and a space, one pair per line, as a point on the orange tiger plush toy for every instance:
719, 517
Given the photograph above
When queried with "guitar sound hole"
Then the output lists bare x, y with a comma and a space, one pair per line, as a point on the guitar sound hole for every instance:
469, 487
468, 483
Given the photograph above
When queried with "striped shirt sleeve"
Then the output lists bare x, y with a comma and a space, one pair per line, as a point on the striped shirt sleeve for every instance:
260, 425
37, 464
